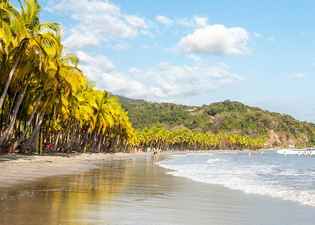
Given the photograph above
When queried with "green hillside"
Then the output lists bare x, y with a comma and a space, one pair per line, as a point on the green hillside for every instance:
227, 117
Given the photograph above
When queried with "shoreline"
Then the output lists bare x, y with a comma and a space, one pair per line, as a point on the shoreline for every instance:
20, 169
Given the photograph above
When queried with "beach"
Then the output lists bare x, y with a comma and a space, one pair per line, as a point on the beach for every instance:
128, 189
19, 169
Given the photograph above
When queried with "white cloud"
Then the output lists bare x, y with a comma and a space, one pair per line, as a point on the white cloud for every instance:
216, 39
164, 82
134, 70
164, 20
201, 21
136, 22
80, 39
297, 76
97, 21
95, 64
193, 22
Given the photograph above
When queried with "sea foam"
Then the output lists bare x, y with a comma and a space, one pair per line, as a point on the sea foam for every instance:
252, 176
296, 152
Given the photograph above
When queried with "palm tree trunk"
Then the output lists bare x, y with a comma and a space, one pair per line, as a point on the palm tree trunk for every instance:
9, 131
37, 128
55, 147
30, 120
12, 72
38, 125
99, 144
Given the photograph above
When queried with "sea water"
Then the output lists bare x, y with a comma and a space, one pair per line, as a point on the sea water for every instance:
283, 174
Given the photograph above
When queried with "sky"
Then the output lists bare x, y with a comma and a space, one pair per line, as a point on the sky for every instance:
261, 53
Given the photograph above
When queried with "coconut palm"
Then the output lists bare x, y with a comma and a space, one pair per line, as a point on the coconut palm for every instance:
45, 96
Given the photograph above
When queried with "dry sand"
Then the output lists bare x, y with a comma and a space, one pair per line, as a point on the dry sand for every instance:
21, 169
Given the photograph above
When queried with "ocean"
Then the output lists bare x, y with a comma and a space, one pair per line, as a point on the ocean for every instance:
283, 174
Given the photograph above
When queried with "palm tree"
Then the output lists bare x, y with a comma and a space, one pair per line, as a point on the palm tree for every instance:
45, 97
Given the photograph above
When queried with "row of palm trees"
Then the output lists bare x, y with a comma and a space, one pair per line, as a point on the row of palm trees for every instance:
185, 139
48, 105
46, 102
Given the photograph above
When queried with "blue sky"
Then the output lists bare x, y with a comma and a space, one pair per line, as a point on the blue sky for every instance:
196, 52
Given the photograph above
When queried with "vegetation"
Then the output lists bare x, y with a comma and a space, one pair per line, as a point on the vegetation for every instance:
226, 117
185, 139
47, 102
48, 105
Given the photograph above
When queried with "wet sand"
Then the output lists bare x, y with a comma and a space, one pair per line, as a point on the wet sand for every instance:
137, 192
17, 169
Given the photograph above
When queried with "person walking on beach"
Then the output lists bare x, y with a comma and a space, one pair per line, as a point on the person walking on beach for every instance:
155, 155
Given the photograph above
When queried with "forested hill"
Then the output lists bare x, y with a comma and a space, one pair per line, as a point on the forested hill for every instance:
227, 117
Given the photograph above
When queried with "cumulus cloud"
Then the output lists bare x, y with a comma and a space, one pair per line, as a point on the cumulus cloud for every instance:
216, 39
96, 21
164, 82
164, 20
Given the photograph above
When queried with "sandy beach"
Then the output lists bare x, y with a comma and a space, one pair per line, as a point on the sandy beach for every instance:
124, 189
19, 169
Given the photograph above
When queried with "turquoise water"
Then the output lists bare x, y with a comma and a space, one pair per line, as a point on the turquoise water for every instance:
281, 174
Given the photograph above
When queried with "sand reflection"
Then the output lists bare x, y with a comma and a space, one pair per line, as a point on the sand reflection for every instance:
63, 200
